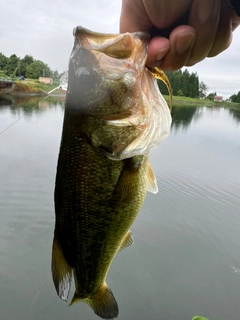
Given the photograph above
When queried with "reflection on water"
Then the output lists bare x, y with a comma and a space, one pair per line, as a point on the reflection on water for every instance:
28, 104
6, 100
186, 257
235, 114
23, 106
182, 116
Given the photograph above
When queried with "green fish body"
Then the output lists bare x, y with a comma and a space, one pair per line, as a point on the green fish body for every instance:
103, 170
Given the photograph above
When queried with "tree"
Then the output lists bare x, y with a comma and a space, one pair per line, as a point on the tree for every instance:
238, 97
26, 61
185, 85
37, 69
211, 96
203, 89
27, 67
179, 93
175, 79
233, 98
182, 83
3, 61
13, 64
56, 75
193, 86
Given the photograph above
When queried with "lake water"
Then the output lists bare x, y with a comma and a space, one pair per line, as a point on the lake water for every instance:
186, 256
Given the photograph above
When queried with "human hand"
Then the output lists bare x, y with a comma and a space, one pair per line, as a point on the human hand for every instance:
184, 32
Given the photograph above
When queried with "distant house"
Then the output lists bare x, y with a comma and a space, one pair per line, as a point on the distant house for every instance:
217, 98
45, 80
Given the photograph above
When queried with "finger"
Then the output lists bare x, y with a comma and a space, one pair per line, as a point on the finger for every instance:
223, 37
235, 25
142, 15
235, 20
181, 43
157, 50
204, 18
165, 14
134, 17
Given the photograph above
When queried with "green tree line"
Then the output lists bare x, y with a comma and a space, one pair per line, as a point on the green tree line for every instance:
27, 67
235, 97
185, 84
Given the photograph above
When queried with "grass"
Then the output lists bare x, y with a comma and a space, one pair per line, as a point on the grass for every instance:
186, 101
33, 86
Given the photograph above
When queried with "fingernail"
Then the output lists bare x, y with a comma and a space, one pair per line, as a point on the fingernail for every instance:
161, 54
184, 41
205, 9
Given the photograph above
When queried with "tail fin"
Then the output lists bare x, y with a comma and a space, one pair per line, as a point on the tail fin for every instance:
103, 303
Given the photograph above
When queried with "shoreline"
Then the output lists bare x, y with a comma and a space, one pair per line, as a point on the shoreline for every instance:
195, 102
31, 88
34, 94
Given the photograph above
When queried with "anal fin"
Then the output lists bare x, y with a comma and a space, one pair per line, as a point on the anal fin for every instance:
61, 271
127, 241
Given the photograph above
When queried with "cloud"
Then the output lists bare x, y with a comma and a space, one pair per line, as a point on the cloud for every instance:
43, 29
222, 73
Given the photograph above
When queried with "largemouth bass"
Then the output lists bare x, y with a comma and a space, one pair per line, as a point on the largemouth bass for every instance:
114, 114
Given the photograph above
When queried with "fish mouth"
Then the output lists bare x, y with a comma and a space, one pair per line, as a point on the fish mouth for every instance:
79, 30
120, 46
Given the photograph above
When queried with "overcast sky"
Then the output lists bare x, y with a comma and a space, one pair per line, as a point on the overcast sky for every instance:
43, 29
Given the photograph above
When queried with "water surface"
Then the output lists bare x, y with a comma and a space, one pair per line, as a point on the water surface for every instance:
186, 256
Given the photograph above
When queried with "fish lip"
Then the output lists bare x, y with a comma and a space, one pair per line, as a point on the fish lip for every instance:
79, 29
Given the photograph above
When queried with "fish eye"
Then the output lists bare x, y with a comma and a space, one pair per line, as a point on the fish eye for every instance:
85, 76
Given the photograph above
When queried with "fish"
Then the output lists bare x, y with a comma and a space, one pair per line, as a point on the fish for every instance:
114, 114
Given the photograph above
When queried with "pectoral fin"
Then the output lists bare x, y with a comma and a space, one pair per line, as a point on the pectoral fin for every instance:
151, 180
61, 271
127, 241
129, 181
103, 303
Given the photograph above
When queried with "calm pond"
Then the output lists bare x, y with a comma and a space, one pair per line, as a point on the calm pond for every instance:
186, 256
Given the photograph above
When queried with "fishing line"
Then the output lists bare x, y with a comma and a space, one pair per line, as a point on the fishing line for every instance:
63, 81
11, 125
21, 116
